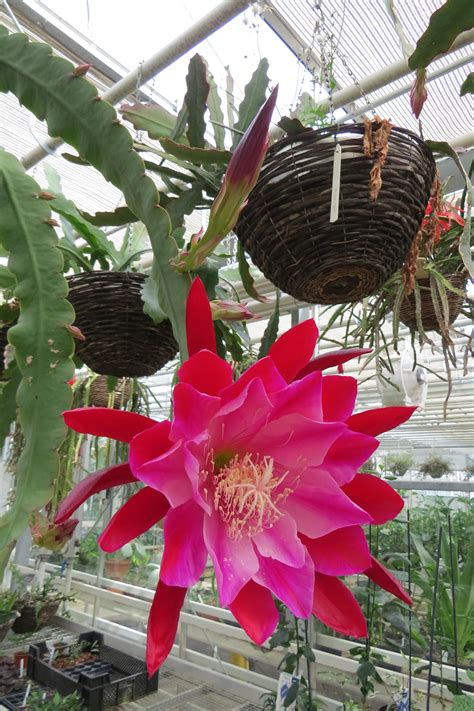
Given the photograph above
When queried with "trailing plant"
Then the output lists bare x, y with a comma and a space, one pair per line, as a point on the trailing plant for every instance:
41, 701
7, 605
398, 464
435, 466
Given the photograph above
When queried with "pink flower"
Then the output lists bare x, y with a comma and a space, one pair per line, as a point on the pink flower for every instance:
239, 180
230, 311
418, 93
261, 475
52, 536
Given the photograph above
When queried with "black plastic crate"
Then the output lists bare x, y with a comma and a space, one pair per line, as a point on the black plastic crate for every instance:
14, 700
113, 678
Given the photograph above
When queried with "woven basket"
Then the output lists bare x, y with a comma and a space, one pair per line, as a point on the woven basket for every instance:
429, 319
285, 226
99, 393
121, 340
3, 345
32, 619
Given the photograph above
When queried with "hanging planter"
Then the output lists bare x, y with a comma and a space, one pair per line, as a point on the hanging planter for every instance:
100, 395
120, 339
384, 190
430, 319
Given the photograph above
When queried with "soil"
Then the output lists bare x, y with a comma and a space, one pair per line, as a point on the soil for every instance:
67, 662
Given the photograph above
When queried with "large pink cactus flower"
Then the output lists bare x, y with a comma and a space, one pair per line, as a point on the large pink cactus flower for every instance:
260, 475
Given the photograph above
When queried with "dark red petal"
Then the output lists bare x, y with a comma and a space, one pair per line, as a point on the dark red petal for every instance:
255, 611
384, 579
107, 422
338, 396
341, 552
150, 444
206, 372
293, 349
374, 422
162, 624
332, 359
375, 496
200, 333
136, 516
336, 606
103, 479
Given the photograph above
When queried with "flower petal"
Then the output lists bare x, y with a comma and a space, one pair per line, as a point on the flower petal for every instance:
281, 542
293, 586
265, 370
192, 411
303, 397
168, 475
206, 372
374, 422
295, 441
200, 332
238, 419
107, 422
92, 484
136, 516
382, 577
336, 606
255, 611
293, 349
347, 455
162, 624
339, 396
149, 444
375, 496
235, 561
331, 359
341, 552
185, 554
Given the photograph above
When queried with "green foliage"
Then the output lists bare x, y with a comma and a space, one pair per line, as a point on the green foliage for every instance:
153, 119
452, 18
7, 605
248, 282
47, 86
40, 701
398, 464
11, 379
43, 346
195, 100
435, 466
271, 331
254, 98
366, 673
467, 87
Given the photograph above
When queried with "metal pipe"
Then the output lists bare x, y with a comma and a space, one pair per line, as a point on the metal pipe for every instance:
441, 71
203, 28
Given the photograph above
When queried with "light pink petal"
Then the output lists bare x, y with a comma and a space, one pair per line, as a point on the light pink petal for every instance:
150, 444
293, 586
136, 516
375, 496
255, 611
234, 559
200, 332
295, 441
347, 455
302, 397
238, 419
293, 349
339, 396
162, 624
321, 506
168, 475
341, 552
265, 370
382, 577
281, 542
206, 372
336, 606
192, 410
331, 359
185, 554
121, 425
374, 422
92, 484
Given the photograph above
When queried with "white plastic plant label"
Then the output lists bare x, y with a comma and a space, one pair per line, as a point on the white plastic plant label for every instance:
285, 682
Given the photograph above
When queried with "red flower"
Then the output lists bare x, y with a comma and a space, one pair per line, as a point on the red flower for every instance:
260, 474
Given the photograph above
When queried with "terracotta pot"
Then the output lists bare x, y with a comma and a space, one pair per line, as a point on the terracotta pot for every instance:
117, 569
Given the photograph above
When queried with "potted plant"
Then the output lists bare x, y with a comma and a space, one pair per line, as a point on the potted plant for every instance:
48, 701
435, 466
8, 613
117, 565
37, 606
398, 464
80, 652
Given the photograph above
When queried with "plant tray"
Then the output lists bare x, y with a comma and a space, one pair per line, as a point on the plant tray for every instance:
14, 700
113, 678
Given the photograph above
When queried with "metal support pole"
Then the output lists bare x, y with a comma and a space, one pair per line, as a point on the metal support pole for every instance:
207, 25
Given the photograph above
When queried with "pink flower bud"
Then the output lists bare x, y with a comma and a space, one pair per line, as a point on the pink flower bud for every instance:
418, 93
52, 536
230, 311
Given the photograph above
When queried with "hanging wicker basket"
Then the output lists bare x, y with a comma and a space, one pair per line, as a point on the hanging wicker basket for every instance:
429, 318
121, 340
100, 396
285, 226
3, 345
